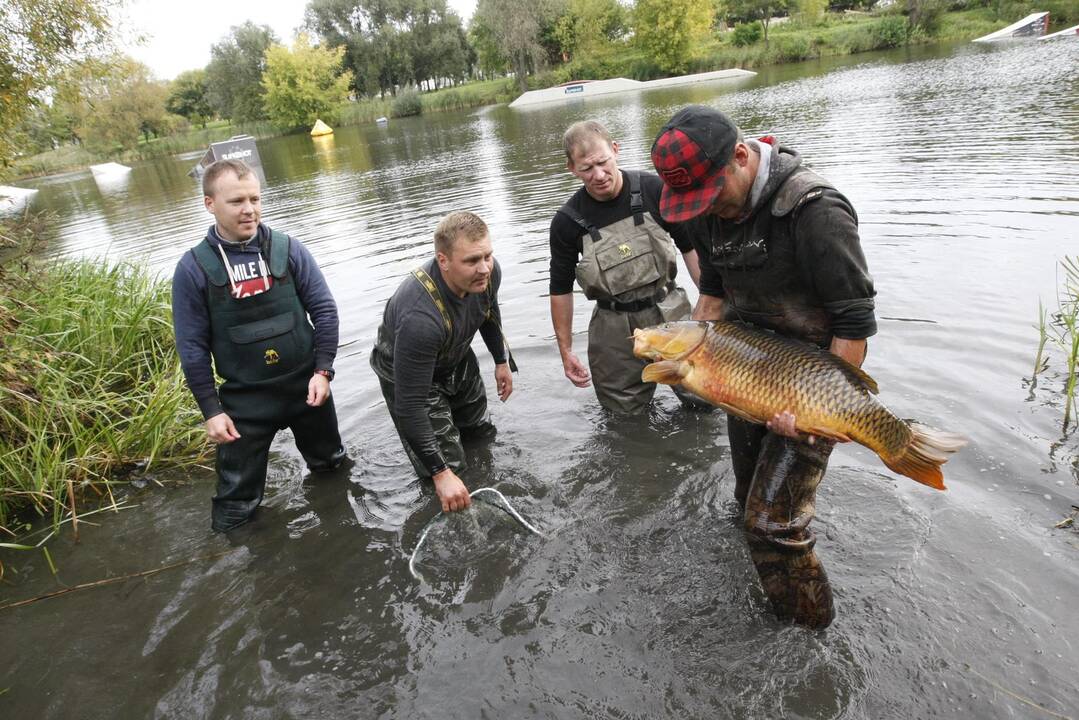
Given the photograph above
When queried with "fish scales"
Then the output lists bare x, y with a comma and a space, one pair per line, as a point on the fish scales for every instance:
756, 374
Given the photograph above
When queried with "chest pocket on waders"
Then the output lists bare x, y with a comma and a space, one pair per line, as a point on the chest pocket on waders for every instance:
268, 348
622, 258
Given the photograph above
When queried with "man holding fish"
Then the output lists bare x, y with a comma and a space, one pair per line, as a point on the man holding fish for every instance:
779, 249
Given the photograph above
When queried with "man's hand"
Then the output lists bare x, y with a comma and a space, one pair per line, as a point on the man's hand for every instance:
318, 390
785, 424
575, 370
503, 380
220, 429
451, 491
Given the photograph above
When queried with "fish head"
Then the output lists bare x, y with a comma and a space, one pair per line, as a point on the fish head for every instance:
669, 341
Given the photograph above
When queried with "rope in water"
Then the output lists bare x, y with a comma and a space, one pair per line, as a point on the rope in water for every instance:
504, 506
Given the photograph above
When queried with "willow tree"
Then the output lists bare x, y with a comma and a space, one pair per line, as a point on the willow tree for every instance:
304, 84
667, 29
515, 27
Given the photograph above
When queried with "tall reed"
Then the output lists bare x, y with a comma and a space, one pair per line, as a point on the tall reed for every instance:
90, 384
1062, 329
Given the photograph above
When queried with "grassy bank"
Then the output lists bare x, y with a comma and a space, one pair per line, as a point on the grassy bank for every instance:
90, 385
70, 157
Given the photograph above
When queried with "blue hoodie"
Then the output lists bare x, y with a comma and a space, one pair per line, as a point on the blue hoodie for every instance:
191, 314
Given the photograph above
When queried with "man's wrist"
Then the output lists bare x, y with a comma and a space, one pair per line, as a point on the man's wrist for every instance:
326, 373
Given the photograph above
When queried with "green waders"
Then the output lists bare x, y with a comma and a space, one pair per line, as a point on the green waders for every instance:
263, 346
776, 481
628, 268
457, 400
456, 405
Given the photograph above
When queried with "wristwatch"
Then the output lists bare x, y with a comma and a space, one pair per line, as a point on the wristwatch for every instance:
328, 374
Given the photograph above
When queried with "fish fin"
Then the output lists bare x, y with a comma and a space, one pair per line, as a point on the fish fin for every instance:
668, 372
827, 433
929, 448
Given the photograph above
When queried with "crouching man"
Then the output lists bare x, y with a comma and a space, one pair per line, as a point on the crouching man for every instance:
423, 357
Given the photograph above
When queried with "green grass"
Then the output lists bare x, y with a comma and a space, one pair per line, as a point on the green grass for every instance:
90, 386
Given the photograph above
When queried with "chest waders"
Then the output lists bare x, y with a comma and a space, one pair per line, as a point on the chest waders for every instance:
457, 400
263, 347
628, 268
776, 477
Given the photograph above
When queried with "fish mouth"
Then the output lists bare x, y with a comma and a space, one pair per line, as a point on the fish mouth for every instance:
644, 348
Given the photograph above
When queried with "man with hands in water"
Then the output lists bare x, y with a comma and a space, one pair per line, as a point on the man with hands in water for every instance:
609, 236
779, 249
423, 358
254, 301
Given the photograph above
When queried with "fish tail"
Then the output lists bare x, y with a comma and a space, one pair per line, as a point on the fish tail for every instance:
927, 450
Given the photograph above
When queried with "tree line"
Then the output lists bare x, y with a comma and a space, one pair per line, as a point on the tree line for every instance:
62, 82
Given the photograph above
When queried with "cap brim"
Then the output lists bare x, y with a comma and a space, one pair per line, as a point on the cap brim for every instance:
677, 206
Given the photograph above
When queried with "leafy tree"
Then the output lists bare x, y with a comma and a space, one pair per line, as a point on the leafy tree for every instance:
303, 84
810, 12
234, 75
189, 97
124, 106
763, 10
389, 44
515, 27
589, 26
38, 38
489, 58
667, 29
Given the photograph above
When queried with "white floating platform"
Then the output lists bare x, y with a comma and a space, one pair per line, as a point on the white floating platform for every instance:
1073, 31
109, 168
592, 88
1033, 25
14, 198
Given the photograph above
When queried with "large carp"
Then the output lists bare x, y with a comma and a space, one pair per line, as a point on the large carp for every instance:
755, 374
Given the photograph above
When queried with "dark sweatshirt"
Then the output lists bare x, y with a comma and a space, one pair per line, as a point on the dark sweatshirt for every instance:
191, 313
410, 344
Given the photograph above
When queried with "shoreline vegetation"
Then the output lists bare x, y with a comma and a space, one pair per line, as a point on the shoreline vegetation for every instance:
745, 46
91, 391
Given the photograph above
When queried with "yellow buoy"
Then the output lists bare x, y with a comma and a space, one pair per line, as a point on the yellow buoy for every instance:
320, 129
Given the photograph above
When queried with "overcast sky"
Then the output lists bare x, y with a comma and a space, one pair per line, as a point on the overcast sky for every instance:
178, 35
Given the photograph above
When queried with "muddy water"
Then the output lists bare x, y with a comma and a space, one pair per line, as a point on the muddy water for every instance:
640, 601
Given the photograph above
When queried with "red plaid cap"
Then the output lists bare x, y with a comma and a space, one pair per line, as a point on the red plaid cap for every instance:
692, 171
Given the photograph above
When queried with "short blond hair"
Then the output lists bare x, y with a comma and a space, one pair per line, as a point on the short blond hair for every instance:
580, 133
458, 224
219, 168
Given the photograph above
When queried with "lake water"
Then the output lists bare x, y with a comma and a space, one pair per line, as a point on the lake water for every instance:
641, 600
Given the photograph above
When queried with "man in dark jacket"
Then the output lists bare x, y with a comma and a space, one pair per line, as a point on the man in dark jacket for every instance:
243, 297
779, 249
423, 357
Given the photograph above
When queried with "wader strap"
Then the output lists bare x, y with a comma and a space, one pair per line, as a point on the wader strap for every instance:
579, 219
636, 202
210, 263
429, 285
277, 256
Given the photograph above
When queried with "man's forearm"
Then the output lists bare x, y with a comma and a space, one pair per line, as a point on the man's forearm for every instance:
709, 307
562, 320
853, 351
